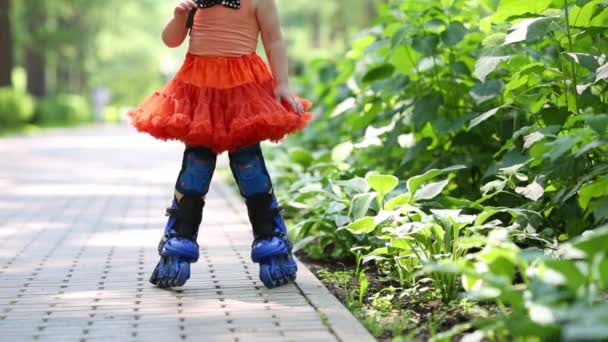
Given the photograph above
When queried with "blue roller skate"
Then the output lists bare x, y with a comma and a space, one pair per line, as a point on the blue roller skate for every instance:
178, 247
271, 247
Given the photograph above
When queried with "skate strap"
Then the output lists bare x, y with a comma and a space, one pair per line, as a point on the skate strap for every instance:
261, 215
188, 216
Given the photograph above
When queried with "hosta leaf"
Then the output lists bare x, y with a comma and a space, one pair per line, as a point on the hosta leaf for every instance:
360, 204
341, 220
300, 156
364, 225
359, 184
335, 207
302, 243
382, 183
384, 216
401, 244
341, 152
379, 251
431, 190
410, 228
397, 201
369, 258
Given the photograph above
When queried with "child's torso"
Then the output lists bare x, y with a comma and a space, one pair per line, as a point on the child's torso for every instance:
223, 31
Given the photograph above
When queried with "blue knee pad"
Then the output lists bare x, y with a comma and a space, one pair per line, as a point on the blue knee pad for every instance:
197, 170
249, 170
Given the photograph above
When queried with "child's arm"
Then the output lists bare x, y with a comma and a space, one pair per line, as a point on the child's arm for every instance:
175, 31
268, 17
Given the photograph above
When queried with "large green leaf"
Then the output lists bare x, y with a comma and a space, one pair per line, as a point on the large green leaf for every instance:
528, 29
454, 33
483, 117
484, 91
602, 73
487, 64
414, 183
589, 61
532, 139
597, 188
561, 146
405, 59
593, 241
426, 44
379, 72
513, 8
426, 109
573, 278
532, 191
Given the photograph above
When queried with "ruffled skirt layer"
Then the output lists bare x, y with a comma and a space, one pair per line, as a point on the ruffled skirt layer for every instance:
219, 102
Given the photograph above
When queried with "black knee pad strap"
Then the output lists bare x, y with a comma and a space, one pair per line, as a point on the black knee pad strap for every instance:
261, 215
188, 216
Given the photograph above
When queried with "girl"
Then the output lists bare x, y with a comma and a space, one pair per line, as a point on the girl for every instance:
224, 98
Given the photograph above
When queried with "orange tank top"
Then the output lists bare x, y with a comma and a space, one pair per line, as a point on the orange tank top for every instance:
223, 31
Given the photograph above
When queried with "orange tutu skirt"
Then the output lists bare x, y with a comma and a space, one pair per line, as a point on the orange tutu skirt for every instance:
222, 103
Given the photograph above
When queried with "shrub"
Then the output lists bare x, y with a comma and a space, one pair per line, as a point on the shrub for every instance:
63, 109
16, 108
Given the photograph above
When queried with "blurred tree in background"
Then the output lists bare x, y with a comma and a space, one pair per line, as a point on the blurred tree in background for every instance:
59, 52
6, 60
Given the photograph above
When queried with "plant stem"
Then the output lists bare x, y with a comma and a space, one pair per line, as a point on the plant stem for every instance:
571, 49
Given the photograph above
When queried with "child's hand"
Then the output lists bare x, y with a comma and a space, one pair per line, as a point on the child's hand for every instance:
184, 7
283, 93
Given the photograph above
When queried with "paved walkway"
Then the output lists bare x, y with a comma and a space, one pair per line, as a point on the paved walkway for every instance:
81, 213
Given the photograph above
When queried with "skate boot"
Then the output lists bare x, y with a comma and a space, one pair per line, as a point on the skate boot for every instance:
178, 247
271, 247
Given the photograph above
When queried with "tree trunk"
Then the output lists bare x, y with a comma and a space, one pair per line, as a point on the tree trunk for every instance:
6, 41
35, 59
315, 28
372, 11
35, 64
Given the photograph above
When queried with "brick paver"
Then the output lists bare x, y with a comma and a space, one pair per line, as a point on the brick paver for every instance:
81, 213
